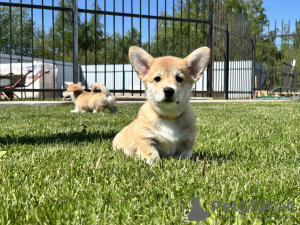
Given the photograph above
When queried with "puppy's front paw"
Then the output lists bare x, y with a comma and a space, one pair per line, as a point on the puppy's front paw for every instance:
150, 155
152, 161
74, 111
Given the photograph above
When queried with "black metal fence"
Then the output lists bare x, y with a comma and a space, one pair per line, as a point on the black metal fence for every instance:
47, 45
277, 50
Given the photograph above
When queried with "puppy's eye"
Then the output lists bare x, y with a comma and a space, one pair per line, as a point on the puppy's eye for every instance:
179, 79
157, 79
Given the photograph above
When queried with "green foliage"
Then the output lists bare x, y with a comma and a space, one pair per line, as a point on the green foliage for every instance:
249, 9
48, 175
180, 38
13, 45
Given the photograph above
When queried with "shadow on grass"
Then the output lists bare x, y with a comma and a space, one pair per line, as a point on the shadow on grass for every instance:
70, 137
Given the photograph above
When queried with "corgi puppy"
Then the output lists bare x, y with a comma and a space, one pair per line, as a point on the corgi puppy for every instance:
166, 124
91, 102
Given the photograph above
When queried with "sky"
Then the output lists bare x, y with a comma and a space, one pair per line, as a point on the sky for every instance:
282, 10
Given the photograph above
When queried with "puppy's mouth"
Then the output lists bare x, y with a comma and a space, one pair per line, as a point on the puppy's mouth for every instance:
170, 101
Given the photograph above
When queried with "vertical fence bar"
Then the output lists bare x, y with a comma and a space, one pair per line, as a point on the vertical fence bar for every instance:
260, 72
140, 39
253, 88
268, 58
85, 44
21, 50
226, 65
148, 26
123, 58
11, 94
165, 27
75, 41
105, 37
281, 54
156, 26
32, 49
114, 35
95, 38
210, 44
274, 76
173, 25
288, 62
181, 30
189, 24
203, 40
196, 32
63, 40
53, 50
43, 48
132, 40
203, 25
295, 66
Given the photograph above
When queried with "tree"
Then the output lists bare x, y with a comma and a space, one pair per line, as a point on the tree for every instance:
13, 45
90, 37
248, 9
186, 36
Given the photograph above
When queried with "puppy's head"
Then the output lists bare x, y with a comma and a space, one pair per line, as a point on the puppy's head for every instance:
168, 80
73, 90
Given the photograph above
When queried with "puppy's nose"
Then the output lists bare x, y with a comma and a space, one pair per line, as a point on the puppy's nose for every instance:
169, 92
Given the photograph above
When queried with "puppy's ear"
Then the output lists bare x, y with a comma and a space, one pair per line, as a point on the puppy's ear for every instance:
75, 87
80, 83
140, 60
197, 61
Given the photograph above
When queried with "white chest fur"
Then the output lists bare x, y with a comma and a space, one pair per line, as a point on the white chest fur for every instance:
168, 136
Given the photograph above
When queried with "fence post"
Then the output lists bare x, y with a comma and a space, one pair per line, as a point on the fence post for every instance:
210, 45
226, 66
253, 67
75, 41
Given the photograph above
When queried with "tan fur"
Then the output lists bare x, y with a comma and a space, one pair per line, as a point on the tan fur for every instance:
91, 102
165, 125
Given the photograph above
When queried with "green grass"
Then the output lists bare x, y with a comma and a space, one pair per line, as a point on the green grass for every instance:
48, 175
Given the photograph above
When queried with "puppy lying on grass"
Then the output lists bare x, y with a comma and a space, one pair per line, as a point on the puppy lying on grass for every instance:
91, 102
166, 122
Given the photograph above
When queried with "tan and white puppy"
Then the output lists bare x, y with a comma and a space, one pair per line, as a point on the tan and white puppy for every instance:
91, 102
166, 122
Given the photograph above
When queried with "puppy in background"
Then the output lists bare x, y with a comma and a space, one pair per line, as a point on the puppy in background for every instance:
166, 124
91, 102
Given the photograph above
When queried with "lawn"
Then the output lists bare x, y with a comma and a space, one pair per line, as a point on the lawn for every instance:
48, 174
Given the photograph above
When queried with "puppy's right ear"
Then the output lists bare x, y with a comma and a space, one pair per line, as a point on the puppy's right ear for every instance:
140, 60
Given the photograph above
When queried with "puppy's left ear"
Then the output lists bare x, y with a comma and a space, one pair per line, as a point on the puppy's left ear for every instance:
197, 61
80, 83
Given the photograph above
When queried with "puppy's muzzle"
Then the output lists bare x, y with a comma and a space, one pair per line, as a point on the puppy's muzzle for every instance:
169, 92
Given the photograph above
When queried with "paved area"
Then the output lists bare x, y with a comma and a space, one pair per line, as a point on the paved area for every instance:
51, 103
32, 103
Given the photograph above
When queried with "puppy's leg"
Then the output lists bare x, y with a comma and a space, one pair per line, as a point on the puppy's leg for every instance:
185, 149
147, 150
99, 108
76, 110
